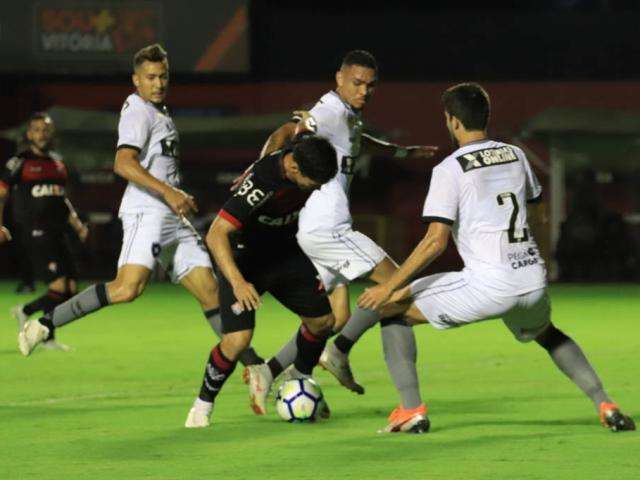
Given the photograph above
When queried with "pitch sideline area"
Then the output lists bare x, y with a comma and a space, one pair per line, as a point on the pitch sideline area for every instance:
114, 407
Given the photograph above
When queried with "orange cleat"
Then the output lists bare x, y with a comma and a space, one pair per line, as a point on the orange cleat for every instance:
612, 418
412, 420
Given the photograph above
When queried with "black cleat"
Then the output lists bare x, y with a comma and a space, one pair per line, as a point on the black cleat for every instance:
612, 418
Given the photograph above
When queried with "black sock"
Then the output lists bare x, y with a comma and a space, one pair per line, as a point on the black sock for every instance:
218, 369
310, 348
343, 344
45, 303
275, 367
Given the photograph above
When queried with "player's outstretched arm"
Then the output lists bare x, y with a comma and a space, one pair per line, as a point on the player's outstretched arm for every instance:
5, 235
220, 246
430, 247
127, 165
376, 146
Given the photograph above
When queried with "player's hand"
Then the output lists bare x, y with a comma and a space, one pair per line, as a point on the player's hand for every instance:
375, 298
180, 202
5, 235
305, 122
421, 152
247, 296
83, 232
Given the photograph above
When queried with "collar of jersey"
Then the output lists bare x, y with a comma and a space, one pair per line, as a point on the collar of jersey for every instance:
347, 106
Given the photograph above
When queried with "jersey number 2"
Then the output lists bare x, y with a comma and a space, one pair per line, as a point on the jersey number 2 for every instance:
502, 198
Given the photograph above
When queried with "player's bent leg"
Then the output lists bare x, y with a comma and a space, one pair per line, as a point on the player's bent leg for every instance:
570, 359
202, 284
221, 363
128, 285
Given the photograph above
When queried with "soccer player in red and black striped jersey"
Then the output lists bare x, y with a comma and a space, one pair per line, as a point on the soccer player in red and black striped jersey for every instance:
253, 240
37, 177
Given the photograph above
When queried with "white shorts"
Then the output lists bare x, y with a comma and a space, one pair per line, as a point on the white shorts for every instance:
340, 257
448, 301
150, 237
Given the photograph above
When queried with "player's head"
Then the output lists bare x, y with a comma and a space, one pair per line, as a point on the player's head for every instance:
40, 131
357, 78
151, 73
466, 109
313, 162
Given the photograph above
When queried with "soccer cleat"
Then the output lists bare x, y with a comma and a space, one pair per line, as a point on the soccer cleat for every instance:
32, 334
412, 420
337, 363
197, 418
55, 345
259, 386
17, 312
612, 418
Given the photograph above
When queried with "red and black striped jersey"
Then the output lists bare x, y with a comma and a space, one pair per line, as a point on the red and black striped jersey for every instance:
37, 184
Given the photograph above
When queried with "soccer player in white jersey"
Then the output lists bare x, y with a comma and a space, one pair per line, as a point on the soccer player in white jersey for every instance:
478, 194
153, 210
339, 253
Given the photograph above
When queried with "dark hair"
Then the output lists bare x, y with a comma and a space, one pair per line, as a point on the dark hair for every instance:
361, 58
469, 103
316, 158
38, 116
150, 53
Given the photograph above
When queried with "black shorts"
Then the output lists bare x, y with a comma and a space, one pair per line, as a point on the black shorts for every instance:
50, 255
290, 277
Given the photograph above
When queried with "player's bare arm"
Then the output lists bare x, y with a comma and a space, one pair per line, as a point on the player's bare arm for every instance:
219, 244
276, 141
376, 146
5, 235
430, 247
127, 165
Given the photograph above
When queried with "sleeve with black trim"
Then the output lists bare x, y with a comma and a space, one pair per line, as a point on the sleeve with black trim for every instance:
441, 204
253, 192
134, 128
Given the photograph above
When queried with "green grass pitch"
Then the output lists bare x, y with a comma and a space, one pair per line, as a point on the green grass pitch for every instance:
115, 406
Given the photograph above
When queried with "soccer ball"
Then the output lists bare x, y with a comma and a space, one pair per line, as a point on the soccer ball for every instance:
298, 400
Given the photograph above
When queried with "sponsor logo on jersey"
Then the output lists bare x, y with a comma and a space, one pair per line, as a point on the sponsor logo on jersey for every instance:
47, 191
278, 221
523, 258
170, 147
489, 157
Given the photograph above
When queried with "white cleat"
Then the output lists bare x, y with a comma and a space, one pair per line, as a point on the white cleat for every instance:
18, 314
55, 345
337, 363
32, 334
260, 381
197, 419
199, 414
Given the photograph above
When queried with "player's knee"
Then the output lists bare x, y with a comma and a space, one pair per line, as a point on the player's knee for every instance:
125, 292
320, 326
551, 337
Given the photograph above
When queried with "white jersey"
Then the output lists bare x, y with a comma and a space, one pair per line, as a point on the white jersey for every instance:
328, 208
150, 130
482, 190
